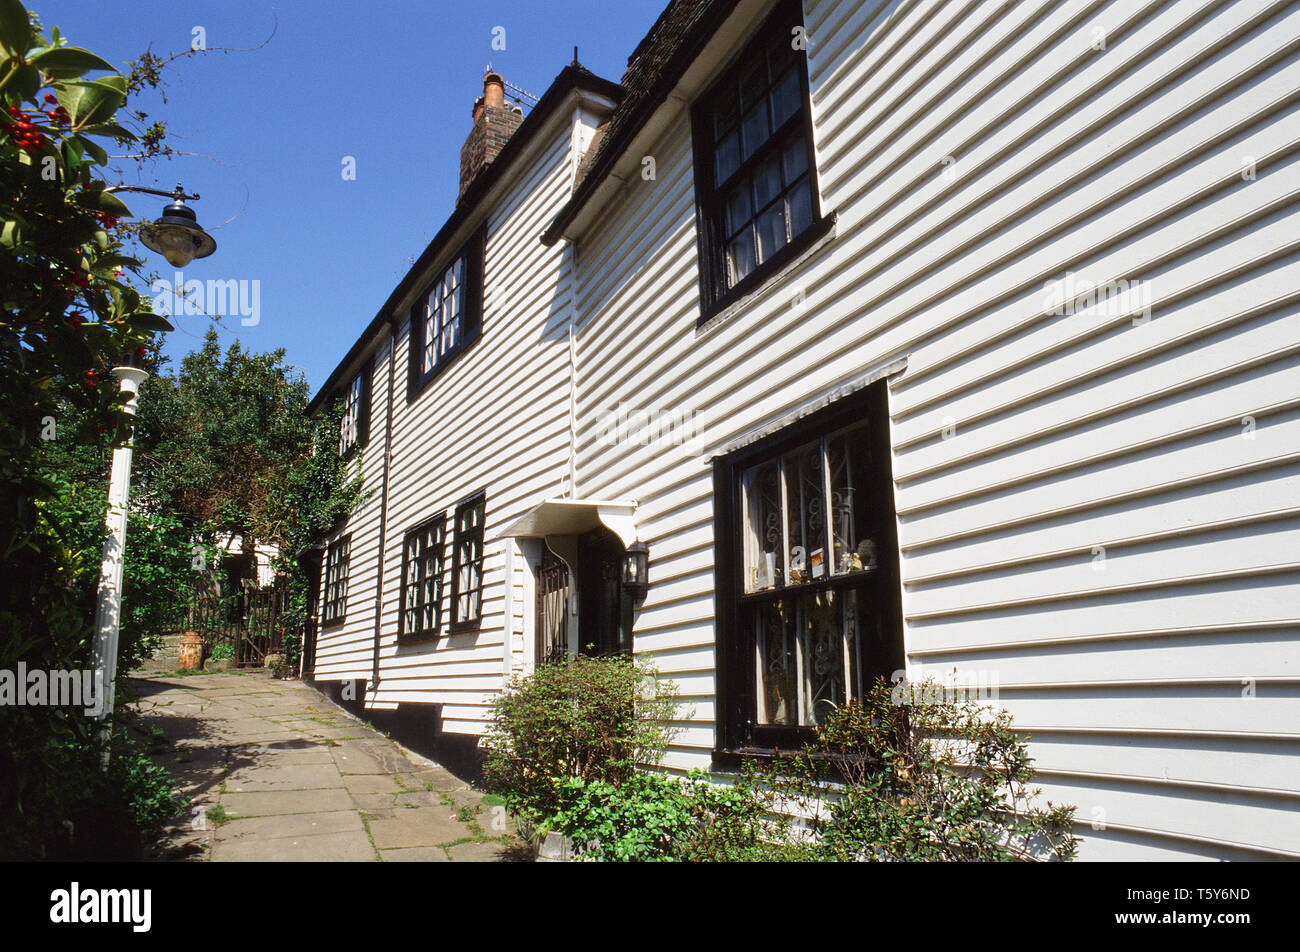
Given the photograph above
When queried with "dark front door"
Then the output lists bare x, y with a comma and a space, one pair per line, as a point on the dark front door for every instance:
604, 612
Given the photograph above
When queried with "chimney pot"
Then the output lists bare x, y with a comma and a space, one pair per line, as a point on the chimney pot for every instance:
494, 90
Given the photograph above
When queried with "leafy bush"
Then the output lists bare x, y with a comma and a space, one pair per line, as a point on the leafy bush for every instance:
86, 813
637, 820
898, 776
651, 817
223, 651
592, 719
911, 775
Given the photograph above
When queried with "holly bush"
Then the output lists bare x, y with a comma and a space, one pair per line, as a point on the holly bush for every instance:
66, 318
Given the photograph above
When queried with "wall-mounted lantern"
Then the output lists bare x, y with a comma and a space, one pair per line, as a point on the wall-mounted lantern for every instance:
636, 571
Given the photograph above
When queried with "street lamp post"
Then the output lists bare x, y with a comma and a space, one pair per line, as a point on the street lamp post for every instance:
177, 237
108, 614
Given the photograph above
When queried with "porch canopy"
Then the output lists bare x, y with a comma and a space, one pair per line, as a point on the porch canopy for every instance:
562, 517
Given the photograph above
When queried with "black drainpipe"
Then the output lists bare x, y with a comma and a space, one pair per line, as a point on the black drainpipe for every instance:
383, 495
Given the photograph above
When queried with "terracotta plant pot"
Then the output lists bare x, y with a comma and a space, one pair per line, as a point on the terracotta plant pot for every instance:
191, 651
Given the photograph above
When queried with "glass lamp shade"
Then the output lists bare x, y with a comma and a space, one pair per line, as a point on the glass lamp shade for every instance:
177, 236
636, 570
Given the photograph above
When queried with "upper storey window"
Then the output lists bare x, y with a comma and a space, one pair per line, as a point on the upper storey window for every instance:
755, 174
448, 316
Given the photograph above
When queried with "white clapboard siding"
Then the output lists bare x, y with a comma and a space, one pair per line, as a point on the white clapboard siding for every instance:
1099, 510
344, 652
496, 420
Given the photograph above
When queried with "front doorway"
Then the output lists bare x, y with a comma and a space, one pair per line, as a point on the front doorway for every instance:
604, 612
581, 606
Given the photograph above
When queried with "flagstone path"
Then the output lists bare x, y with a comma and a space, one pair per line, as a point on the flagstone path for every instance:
272, 770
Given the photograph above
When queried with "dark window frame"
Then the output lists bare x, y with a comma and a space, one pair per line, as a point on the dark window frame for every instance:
438, 550
716, 294
334, 599
739, 736
472, 253
359, 383
478, 499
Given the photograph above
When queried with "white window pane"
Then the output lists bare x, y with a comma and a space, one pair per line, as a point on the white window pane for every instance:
767, 180
778, 701
726, 158
785, 98
764, 566
805, 513
800, 208
822, 641
771, 231
740, 256
739, 210
795, 158
753, 129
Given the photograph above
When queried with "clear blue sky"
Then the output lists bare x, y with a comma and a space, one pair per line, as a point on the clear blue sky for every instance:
390, 82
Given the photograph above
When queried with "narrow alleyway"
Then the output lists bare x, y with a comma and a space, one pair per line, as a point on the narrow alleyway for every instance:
271, 771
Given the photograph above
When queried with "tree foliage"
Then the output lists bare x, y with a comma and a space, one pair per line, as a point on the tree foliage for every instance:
218, 440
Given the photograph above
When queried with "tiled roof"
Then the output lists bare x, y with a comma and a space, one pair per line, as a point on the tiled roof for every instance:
653, 69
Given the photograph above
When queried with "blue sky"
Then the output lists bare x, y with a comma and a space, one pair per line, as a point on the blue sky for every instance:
389, 82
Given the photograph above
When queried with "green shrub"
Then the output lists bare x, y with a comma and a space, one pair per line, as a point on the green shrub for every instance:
223, 651
73, 810
911, 775
651, 817
636, 820
592, 719
908, 776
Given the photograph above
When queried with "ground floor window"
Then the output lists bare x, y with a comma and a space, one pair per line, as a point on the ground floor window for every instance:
809, 613
336, 580
421, 595
467, 555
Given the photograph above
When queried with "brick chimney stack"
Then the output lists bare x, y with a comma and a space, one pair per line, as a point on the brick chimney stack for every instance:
494, 123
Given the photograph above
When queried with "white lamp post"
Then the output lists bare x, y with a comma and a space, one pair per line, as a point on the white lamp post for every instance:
177, 237
108, 614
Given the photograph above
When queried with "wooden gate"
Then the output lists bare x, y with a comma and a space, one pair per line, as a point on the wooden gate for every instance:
251, 620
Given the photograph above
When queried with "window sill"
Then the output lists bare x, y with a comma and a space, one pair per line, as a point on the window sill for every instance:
417, 638
760, 756
332, 624
768, 277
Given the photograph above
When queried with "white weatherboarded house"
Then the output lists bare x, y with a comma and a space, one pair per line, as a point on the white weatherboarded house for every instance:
954, 338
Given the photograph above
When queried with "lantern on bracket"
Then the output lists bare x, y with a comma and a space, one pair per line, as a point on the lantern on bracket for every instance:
636, 571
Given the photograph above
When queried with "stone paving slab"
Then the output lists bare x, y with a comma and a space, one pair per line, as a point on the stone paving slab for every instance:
415, 854
322, 848
273, 771
263, 777
294, 801
299, 824
421, 826
371, 783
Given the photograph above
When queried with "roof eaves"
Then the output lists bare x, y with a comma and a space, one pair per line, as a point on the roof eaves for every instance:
574, 76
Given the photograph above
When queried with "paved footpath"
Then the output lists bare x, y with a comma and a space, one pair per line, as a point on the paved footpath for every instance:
274, 771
